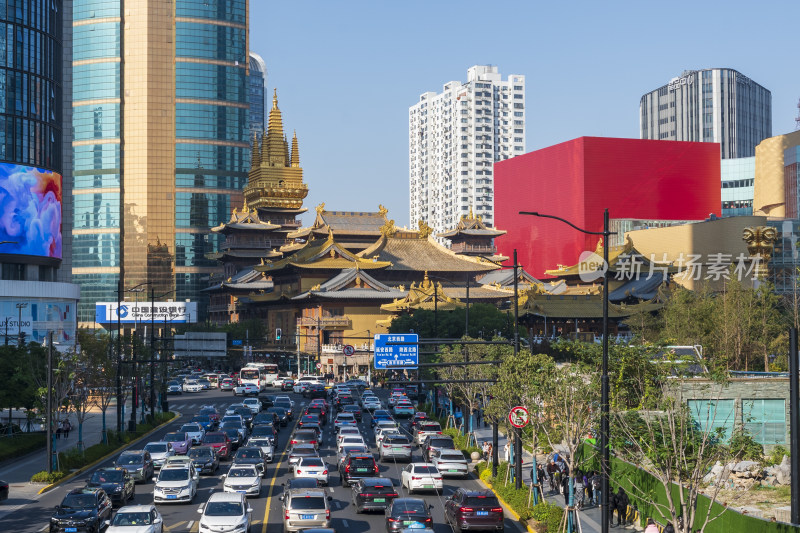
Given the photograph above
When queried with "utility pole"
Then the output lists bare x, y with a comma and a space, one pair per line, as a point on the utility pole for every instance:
120, 400
319, 335
20, 307
517, 431
49, 413
153, 354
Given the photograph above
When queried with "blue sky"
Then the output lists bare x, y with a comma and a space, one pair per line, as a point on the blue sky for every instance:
347, 71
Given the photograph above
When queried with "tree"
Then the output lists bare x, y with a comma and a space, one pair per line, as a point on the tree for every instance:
675, 446
485, 321
19, 389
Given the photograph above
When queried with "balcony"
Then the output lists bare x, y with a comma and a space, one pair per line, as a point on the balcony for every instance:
337, 348
465, 248
326, 322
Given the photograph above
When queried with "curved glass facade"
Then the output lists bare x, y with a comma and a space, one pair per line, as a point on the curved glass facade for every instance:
257, 85
97, 75
30, 83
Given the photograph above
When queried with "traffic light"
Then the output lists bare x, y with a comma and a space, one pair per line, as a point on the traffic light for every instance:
277, 334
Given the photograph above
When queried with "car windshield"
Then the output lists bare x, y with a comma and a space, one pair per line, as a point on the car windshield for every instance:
312, 461
132, 519
408, 507
307, 503
242, 472
200, 453
224, 509
482, 500
78, 501
107, 476
427, 426
249, 454
208, 411
174, 474
175, 437
352, 440
129, 459
397, 439
305, 435
425, 470
214, 439
444, 443
345, 416
156, 448
260, 442
357, 462
231, 432
190, 428
452, 457
353, 449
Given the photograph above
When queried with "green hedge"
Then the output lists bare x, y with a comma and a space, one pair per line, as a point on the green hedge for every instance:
21, 444
74, 459
47, 477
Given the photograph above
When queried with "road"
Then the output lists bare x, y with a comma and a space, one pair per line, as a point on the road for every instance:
267, 512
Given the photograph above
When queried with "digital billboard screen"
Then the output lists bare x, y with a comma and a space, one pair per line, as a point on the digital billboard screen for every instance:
30, 211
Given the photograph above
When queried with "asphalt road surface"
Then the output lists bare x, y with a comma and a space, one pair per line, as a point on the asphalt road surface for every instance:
267, 511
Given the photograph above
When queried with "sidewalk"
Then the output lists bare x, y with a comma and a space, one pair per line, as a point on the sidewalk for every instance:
590, 517
18, 472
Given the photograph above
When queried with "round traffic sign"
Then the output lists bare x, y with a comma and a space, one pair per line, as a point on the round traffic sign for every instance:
348, 350
518, 416
319, 365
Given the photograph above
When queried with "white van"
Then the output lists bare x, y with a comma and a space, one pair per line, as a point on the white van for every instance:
301, 383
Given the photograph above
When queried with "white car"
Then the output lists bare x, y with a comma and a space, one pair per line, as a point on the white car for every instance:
372, 403
278, 382
242, 478
195, 432
421, 476
344, 419
281, 399
265, 444
379, 436
301, 383
313, 467
136, 519
159, 452
383, 425
347, 431
351, 441
191, 385
175, 388
225, 511
176, 483
254, 404
394, 398
245, 390
450, 462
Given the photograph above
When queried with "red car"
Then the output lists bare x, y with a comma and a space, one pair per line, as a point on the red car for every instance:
220, 442
473, 510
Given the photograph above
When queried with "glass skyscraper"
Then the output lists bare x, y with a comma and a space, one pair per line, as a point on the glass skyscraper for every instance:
165, 84
258, 82
717, 105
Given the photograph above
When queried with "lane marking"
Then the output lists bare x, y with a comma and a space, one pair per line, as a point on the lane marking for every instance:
269, 498
345, 523
190, 524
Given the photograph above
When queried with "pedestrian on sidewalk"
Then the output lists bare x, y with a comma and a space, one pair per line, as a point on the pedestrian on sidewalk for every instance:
67, 428
587, 482
651, 527
507, 453
597, 483
551, 475
565, 489
485, 448
622, 506
58, 429
540, 475
477, 413
612, 506
669, 528
491, 452
579, 489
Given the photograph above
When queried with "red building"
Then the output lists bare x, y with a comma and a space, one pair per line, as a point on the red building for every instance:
578, 179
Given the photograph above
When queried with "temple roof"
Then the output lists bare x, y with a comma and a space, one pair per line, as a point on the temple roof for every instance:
417, 251
426, 295
472, 226
319, 254
344, 223
643, 288
246, 219
247, 279
352, 284
505, 277
244, 254
620, 258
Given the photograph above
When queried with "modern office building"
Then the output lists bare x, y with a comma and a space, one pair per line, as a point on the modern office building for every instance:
165, 84
738, 179
717, 105
33, 298
454, 139
258, 82
635, 179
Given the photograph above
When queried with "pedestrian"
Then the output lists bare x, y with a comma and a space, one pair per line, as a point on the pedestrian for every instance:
579, 485
507, 453
67, 428
612, 506
622, 506
651, 527
587, 485
485, 449
477, 413
540, 475
551, 475
491, 452
669, 528
459, 417
565, 489
58, 430
597, 483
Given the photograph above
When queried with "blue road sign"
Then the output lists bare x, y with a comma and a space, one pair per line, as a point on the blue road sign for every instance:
394, 350
236, 342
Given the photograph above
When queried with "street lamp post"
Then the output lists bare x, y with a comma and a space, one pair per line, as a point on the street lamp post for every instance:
604, 392
153, 349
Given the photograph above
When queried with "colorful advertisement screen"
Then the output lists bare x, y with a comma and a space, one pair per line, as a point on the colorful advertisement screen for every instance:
30, 211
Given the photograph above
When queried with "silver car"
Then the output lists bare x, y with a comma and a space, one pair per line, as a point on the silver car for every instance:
450, 462
306, 508
395, 447
159, 452
313, 467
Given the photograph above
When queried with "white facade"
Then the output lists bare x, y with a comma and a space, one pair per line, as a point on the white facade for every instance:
454, 139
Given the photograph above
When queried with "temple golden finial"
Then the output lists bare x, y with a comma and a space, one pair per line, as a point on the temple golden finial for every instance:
470, 217
426, 282
275, 97
388, 229
295, 151
320, 208
382, 210
244, 206
255, 158
424, 229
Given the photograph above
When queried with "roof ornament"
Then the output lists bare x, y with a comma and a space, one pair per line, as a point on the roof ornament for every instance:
424, 229
426, 283
388, 229
320, 208
382, 210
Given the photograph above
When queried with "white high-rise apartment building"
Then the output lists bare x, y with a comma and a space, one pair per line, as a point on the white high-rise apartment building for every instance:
454, 139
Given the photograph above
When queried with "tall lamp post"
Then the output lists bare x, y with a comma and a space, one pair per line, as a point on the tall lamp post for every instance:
120, 404
153, 349
604, 392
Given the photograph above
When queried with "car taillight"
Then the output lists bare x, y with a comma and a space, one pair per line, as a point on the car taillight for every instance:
293, 442
497, 510
287, 515
466, 510
376, 469
394, 519
299, 471
415, 478
313, 442
347, 468
324, 472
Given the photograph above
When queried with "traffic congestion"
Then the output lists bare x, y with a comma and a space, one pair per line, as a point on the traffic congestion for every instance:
281, 455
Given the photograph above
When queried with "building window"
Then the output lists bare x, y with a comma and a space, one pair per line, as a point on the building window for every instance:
714, 414
765, 420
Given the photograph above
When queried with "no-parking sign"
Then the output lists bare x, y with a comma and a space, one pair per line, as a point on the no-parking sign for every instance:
519, 416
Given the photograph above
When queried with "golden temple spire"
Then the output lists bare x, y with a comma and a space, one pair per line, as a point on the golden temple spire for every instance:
286, 151
277, 149
295, 151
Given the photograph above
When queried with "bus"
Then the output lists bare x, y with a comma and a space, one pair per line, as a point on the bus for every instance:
259, 374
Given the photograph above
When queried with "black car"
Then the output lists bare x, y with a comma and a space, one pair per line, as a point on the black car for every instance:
438, 442
251, 455
318, 410
309, 419
474, 510
355, 409
357, 466
286, 406
138, 463
342, 401
266, 418
3, 490
373, 494
267, 400
305, 436
205, 459
315, 390
116, 482
281, 413
81, 510
234, 436
264, 431
404, 512
245, 413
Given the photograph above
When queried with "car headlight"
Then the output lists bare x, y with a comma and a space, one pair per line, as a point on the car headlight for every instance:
117, 489
256, 483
